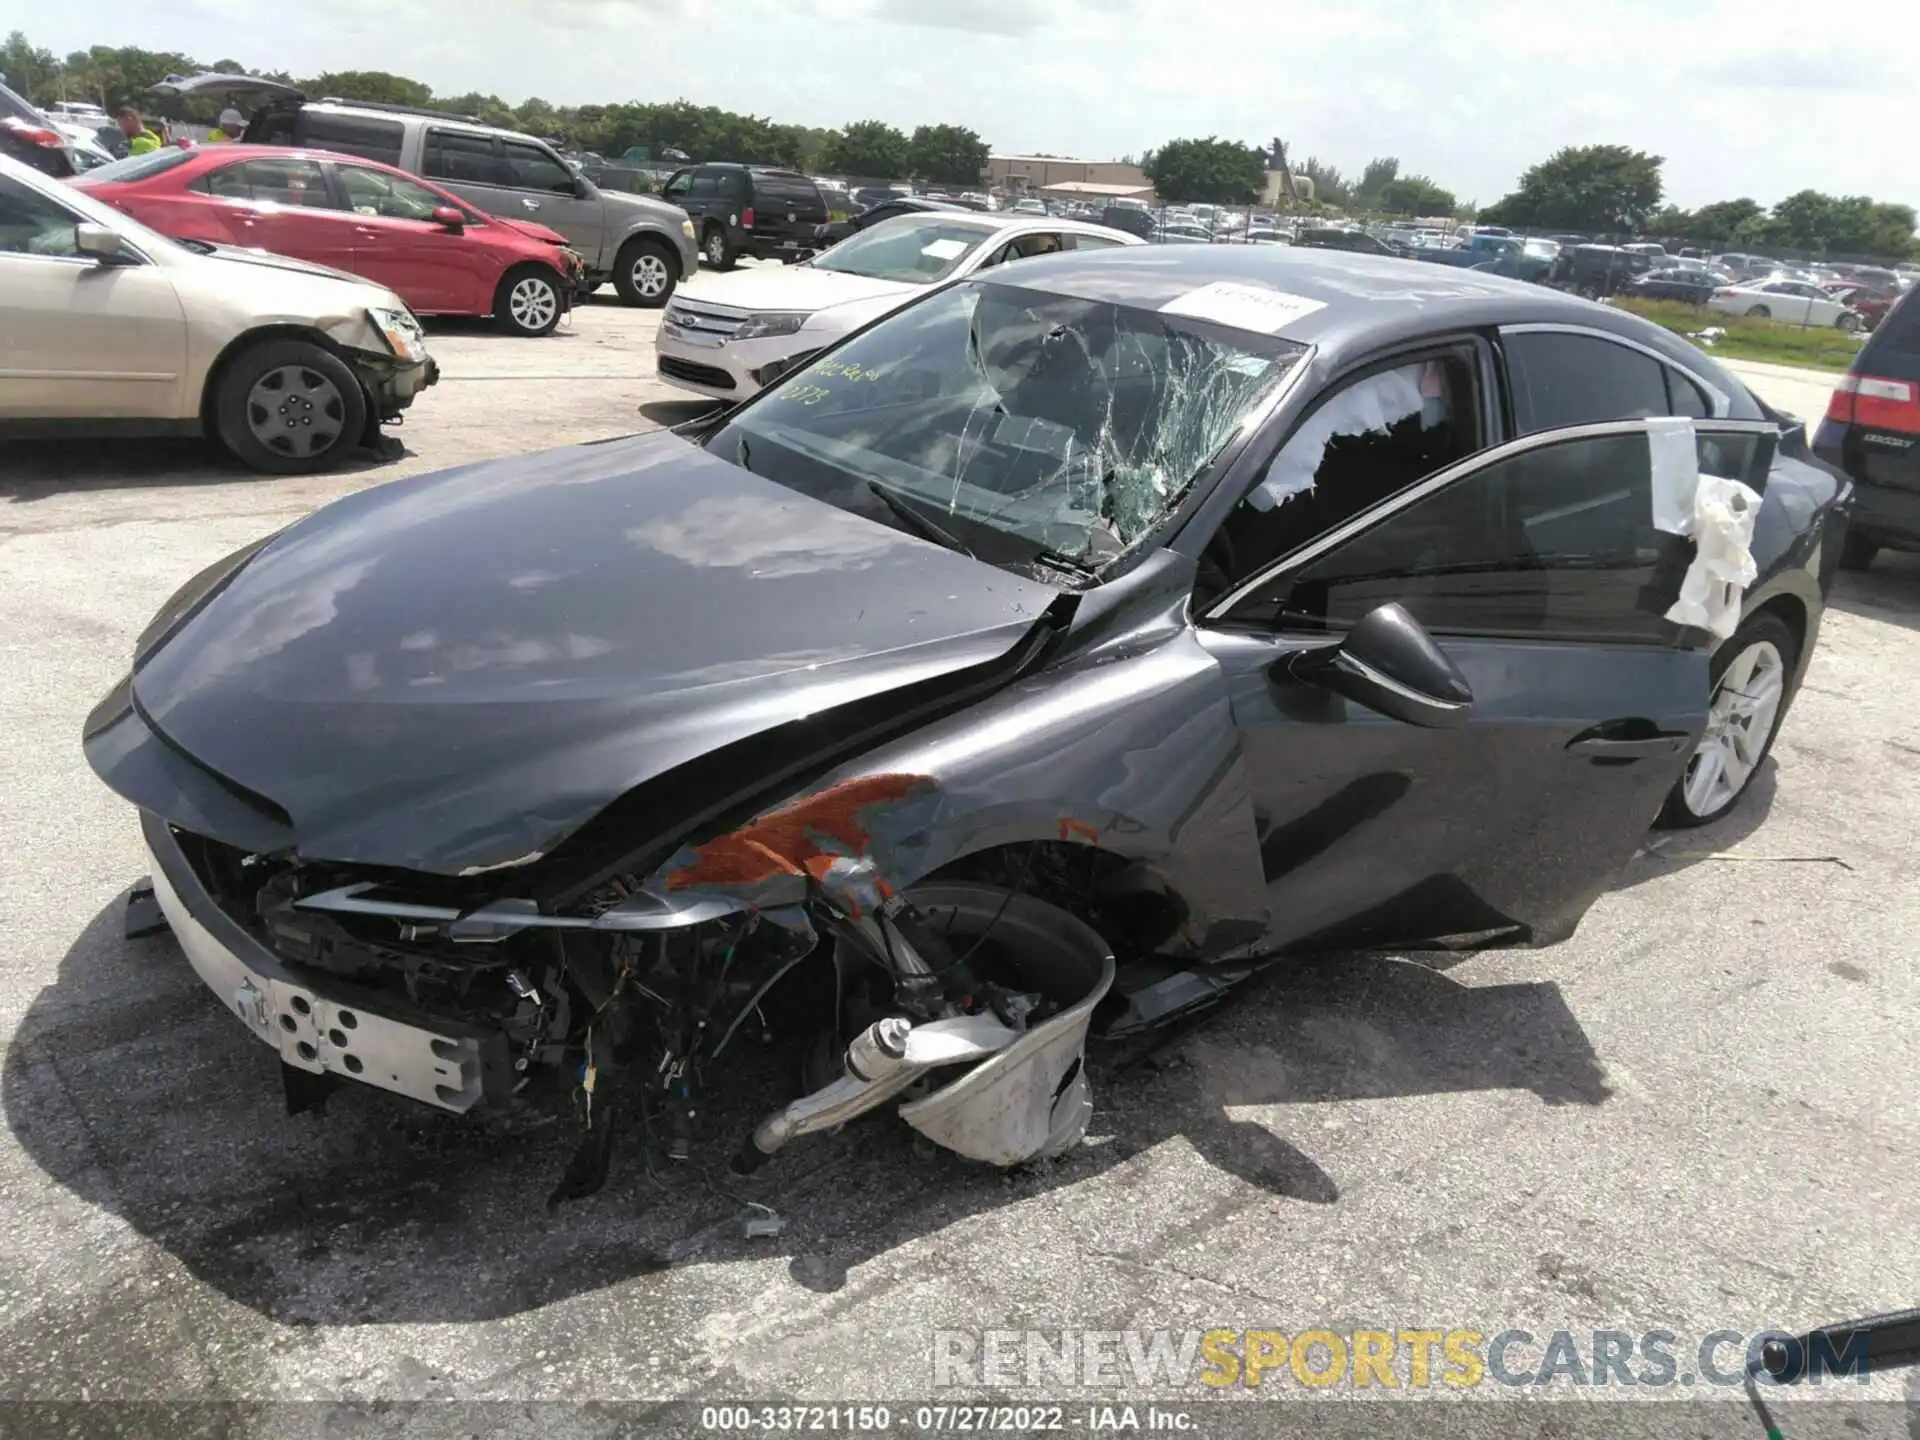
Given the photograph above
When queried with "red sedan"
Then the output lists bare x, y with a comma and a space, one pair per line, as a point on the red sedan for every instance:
436, 252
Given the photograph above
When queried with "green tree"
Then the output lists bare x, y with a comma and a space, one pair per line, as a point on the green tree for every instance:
1604, 189
870, 149
1212, 171
31, 72
1724, 221
1840, 225
1415, 195
378, 86
1381, 172
947, 154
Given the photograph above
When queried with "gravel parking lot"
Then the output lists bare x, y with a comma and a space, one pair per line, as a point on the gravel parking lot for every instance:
1698, 1114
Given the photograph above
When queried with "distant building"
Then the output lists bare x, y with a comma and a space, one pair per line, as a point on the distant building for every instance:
1276, 187
1043, 172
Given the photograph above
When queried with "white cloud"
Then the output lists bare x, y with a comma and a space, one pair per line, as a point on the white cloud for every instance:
1744, 97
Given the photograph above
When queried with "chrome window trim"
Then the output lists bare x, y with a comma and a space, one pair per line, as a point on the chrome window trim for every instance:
1394, 504
1722, 402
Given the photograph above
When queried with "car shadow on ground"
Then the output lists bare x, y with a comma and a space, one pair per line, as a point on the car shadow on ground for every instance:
130, 1085
37, 469
1887, 590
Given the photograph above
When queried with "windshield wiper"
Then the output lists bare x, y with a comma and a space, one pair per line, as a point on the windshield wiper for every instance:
922, 525
1065, 563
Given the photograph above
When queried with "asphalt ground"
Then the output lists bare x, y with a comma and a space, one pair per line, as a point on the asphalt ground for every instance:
1698, 1114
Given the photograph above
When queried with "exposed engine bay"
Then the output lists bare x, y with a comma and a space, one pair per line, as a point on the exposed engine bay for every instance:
967, 999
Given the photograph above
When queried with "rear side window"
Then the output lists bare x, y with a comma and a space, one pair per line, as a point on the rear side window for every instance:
1561, 380
1684, 397
460, 158
794, 191
362, 135
276, 180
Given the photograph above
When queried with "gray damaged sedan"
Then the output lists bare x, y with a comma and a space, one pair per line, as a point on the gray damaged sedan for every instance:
1036, 663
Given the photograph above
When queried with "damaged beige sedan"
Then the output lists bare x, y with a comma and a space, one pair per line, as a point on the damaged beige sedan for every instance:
109, 328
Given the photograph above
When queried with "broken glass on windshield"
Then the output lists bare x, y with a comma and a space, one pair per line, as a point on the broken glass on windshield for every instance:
1032, 425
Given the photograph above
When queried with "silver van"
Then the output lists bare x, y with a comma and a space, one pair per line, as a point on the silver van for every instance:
642, 244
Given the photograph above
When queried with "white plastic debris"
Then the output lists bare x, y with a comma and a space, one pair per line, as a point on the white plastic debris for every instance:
1674, 453
1722, 529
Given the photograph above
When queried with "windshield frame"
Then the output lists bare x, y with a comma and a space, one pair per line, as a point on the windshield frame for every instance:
1167, 527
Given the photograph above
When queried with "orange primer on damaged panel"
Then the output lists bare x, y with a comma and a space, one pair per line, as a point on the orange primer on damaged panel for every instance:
803, 837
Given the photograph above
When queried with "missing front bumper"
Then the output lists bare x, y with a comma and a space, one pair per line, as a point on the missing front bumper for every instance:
311, 1030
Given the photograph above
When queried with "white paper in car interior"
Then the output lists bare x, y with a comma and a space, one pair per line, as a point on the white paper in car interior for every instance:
1245, 307
1674, 452
943, 249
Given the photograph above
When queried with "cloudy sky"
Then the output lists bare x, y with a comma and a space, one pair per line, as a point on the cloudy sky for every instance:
1743, 97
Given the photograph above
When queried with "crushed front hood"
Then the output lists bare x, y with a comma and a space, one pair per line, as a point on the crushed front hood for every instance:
455, 672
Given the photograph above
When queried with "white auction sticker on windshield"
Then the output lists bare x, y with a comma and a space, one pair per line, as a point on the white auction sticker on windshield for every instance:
1245, 307
943, 249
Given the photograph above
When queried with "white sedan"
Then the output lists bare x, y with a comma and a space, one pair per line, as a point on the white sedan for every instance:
1798, 302
729, 336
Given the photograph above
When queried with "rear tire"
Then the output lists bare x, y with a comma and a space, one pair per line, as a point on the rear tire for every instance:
646, 273
1751, 674
528, 302
716, 250
1857, 551
1848, 321
1759, 312
289, 407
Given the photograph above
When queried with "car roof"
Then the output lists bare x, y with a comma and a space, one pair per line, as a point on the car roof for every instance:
1353, 303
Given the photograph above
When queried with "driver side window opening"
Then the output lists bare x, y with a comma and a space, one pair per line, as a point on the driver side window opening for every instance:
1367, 441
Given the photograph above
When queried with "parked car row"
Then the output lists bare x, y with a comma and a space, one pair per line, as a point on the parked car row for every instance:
438, 253
109, 327
641, 243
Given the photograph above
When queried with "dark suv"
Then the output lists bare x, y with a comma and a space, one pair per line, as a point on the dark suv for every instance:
1872, 431
748, 210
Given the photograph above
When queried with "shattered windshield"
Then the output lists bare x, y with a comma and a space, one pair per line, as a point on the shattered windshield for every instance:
1021, 426
916, 249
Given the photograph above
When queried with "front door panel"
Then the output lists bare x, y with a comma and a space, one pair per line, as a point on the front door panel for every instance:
1536, 567
1373, 831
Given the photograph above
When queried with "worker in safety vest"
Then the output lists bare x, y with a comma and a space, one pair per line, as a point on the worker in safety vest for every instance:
140, 139
231, 127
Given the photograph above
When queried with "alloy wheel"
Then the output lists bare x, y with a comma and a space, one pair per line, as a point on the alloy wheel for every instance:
295, 411
1746, 703
716, 249
533, 304
650, 275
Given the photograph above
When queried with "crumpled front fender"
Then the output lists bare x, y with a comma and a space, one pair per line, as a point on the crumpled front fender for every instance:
1134, 753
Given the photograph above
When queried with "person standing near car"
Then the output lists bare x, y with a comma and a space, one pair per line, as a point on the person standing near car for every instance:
140, 140
231, 127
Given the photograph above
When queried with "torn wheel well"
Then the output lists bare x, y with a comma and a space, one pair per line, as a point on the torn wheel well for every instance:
1793, 610
1134, 909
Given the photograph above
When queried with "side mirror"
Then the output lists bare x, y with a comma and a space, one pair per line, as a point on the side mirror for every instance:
1389, 664
582, 188
449, 218
102, 242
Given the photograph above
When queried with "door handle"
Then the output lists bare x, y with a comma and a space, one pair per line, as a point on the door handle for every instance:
530, 204
1627, 740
